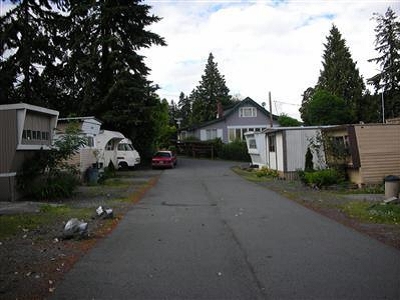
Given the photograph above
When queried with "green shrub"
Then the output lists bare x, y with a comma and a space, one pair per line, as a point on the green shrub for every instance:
47, 174
266, 172
236, 150
172, 148
109, 172
59, 185
324, 177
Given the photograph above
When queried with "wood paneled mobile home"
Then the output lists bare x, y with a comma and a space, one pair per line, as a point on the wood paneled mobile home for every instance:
24, 128
374, 150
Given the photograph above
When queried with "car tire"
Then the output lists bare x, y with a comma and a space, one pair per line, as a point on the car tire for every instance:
123, 166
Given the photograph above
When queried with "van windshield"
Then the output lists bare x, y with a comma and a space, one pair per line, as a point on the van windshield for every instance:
125, 147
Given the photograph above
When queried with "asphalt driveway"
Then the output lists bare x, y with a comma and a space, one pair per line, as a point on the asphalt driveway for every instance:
205, 233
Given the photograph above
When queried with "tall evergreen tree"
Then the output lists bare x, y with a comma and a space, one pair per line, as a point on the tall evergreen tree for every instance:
185, 110
31, 45
307, 96
387, 43
339, 75
211, 90
104, 69
173, 112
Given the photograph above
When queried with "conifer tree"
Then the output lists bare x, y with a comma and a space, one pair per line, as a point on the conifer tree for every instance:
31, 45
339, 75
211, 90
388, 45
185, 110
307, 96
105, 71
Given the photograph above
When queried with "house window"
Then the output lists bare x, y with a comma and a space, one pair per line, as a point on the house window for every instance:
29, 134
271, 143
211, 134
252, 144
244, 130
247, 112
90, 141
340, 144
231, 134
238, 133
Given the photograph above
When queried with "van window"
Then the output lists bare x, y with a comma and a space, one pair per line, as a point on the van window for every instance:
109, 145
125, 147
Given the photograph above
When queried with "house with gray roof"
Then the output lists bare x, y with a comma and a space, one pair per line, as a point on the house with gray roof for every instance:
231, 124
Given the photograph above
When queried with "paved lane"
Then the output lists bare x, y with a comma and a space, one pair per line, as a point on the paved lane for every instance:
205, 233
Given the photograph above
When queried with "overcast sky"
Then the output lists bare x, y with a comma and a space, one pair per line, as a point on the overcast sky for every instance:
260, 46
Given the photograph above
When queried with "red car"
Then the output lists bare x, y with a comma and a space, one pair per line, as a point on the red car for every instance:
164, 159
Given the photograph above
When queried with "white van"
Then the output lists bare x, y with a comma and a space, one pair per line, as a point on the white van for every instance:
127, 156
114, 147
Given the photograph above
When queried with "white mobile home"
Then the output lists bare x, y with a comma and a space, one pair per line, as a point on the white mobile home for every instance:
89, 128
283, 149
102, 146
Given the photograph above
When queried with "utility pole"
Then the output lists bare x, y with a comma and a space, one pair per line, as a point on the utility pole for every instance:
270, 110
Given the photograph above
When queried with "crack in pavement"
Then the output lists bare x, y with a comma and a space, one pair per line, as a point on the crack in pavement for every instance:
261, 288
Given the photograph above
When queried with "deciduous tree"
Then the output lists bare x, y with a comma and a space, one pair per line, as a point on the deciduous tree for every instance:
325, 108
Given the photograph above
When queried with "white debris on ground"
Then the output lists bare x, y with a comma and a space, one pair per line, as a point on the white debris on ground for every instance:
104, 213
75, 228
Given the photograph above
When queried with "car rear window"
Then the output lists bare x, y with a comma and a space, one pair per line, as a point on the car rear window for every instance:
162, 154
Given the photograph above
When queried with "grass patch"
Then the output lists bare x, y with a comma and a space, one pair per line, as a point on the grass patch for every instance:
115, 182
250, 175
376, 213
371, 189
14, 224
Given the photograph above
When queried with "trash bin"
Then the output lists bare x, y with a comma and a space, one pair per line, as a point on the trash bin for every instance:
93, 175
392, 183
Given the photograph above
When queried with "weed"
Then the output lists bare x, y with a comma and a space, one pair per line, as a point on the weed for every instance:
249, 175
115, 182
376, 213
266, 172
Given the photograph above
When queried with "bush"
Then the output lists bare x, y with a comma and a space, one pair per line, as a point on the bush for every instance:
236, 150
47, 174
109, 172
266, 172
323, 177
59, 185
